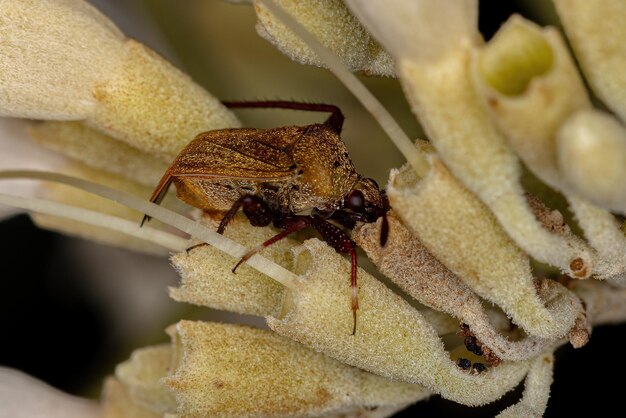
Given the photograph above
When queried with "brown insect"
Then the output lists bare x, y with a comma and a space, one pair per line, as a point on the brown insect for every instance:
293, 177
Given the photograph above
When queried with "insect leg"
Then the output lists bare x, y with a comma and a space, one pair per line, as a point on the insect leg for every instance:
159, 192
224, 222
255, 209
384, 228
298, 223
342, 243
335, 120
228, 216
344, 218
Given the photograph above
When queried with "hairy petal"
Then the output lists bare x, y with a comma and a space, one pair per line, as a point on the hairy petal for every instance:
406, 262
207, 278
459, 230
233, 370
438, 85
333, 25
141, 376
392, 338
536, 390
63, 60
535, 121
597, 34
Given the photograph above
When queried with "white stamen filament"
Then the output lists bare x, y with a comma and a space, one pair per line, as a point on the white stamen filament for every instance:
353, 84
263, 265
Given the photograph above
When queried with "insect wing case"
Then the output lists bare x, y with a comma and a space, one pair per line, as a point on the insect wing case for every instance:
217, 167
294, 169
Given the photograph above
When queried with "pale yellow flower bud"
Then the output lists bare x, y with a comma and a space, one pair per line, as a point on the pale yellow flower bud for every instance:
532, 116
536, 390
223, 370
207, 278
596, 30
407, 263
392, 338
439, 88
547, 90
141, 376
459, 230
83, 199
99, 151
331, 22
117, 403
64, 60
592, 158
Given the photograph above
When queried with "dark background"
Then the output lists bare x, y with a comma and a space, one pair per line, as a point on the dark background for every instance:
53, 329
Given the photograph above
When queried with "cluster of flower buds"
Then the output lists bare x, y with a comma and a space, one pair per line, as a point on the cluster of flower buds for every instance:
462, 230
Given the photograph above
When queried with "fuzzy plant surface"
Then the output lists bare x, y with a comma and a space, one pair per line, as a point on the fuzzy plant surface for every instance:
505, 232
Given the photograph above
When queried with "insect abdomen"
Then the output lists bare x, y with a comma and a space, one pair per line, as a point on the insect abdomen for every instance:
212, 195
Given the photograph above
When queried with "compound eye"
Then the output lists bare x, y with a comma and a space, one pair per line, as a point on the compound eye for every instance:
356, 201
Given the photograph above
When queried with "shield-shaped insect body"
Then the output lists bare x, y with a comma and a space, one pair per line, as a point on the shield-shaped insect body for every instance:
293, 177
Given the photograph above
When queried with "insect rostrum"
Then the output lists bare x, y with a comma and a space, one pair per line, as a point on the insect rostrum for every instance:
293, 177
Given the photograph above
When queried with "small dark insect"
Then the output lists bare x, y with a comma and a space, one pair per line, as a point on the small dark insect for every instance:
478, 368
293, 177
472, 345
464, 363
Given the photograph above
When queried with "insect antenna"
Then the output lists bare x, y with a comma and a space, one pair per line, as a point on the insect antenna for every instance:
355, 297
414, 157
384, 228
334, 121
